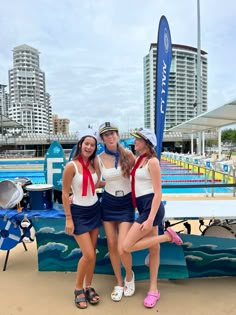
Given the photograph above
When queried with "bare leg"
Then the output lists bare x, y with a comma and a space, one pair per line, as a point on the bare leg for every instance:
90, 270
154, 262
112, 242
86, 262
151, 241
137, 239
126, 258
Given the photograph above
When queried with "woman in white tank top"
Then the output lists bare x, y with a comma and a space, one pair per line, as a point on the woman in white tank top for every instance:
146, 195
83, 216
117, 209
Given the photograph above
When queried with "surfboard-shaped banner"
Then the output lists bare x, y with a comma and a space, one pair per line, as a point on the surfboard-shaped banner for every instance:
54, 164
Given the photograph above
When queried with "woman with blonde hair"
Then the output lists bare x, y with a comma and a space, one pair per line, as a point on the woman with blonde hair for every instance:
117, 210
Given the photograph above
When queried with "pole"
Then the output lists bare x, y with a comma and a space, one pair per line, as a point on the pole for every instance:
199, 96
219, 143
203, 143
1, 118
192, 142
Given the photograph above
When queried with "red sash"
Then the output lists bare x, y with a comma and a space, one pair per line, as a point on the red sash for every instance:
86, 177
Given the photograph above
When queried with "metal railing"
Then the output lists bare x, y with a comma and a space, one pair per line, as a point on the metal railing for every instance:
210, 173
203, 186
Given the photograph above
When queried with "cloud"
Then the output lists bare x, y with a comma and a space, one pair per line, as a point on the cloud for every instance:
92, 51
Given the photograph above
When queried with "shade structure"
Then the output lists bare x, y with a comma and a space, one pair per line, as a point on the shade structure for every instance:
219, 117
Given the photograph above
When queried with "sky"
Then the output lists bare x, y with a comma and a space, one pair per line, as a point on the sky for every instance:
92, 51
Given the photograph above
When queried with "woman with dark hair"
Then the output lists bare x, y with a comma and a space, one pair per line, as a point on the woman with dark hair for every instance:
117, 210
83, 213
146, 196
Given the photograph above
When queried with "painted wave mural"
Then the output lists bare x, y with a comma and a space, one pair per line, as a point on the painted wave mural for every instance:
200, 256
58, 251
208, 256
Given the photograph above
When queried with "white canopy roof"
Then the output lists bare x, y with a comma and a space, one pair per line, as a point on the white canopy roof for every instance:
219, 117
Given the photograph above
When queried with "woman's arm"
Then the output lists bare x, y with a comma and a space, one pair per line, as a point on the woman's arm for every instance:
68, 175
100, 183
155, 172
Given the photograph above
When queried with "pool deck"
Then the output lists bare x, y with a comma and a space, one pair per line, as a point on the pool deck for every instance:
202, 196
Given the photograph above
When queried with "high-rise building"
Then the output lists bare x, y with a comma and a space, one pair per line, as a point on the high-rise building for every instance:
60, 125
182, 92
3, 99
29, 102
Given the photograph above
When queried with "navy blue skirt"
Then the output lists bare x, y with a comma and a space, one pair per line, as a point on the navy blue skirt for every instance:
117, 209
86, 218
144, 204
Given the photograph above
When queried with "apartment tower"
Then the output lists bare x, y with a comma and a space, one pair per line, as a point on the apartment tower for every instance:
182, 92
29, 102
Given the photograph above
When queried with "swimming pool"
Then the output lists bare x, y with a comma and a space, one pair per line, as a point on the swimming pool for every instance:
36, 177
15, 162
171, 175
177, 175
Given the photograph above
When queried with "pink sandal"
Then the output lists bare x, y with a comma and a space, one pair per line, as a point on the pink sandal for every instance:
151, 299
174, 236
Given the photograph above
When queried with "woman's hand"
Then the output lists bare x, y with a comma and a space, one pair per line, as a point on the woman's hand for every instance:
69, 225
102, 184
71, 199
146, 225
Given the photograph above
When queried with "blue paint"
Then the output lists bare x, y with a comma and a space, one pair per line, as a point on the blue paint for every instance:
10, 234
54, 164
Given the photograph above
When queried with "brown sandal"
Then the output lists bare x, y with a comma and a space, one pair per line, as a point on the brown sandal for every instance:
78, 300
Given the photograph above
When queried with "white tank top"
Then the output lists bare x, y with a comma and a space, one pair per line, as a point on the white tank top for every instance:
143, 181
115, 181
76, 187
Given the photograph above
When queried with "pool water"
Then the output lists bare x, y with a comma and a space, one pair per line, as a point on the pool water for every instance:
176, 175
36, 177
171, 175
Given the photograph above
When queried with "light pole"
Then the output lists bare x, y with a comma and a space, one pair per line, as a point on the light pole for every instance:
199, 94
1, 104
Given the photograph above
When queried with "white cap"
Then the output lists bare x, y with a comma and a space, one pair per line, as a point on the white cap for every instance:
145, 134
88, 132
108, 126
